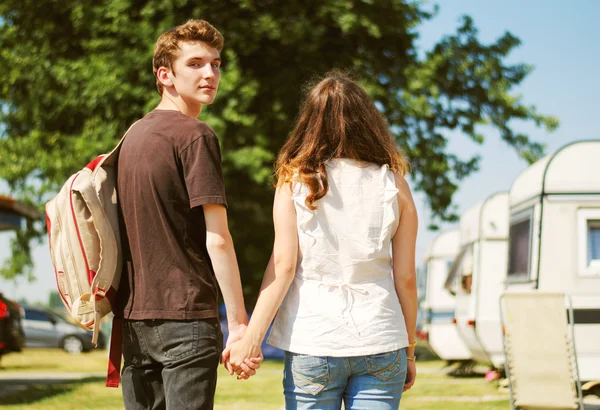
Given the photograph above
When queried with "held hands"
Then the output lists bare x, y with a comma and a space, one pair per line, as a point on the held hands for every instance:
241, 356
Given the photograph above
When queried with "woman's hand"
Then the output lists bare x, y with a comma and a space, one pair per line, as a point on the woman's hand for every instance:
411, 375
242, 358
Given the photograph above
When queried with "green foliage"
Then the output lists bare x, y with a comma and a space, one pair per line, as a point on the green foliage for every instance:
54, 301
77, 73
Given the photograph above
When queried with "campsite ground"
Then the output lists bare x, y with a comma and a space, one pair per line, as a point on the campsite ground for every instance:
45, 379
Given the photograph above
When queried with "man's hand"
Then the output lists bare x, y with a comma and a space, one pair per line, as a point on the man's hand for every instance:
235, 333
411, 375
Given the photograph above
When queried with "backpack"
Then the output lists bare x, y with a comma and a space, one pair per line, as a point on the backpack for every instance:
85, 243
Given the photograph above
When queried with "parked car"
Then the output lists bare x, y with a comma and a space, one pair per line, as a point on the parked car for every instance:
44, 328
12, 337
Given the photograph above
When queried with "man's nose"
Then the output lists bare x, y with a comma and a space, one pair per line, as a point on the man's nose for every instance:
208, 71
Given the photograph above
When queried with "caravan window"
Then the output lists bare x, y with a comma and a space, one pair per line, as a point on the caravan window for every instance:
589, 243
593, 242
466, 277
519, 248
461, 267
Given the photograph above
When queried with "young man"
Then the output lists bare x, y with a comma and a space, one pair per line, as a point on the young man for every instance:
177, 244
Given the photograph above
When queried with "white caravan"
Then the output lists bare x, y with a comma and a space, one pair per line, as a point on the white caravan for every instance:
554, 240
477, 278
437, 306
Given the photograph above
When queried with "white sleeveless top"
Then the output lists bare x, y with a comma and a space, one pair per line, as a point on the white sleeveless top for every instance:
342, 301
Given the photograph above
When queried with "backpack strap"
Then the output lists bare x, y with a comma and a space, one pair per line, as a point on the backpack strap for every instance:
112, 156
113, 375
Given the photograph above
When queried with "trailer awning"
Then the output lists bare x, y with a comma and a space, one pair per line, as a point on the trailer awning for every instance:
12, 213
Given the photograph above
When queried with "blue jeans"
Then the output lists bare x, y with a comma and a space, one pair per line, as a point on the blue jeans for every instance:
170, 364
373, 382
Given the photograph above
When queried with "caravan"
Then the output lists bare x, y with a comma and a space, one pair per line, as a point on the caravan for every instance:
554, 243
438, 305
477, 278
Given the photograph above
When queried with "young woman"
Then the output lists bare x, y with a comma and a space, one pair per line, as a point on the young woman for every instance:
342, 272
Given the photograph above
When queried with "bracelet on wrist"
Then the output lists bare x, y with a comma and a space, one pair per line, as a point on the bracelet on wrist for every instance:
412, 359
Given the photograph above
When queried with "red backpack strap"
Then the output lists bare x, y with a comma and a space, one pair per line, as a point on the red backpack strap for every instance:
113, 375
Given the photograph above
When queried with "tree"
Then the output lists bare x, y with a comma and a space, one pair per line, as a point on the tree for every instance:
55, 301
77, 74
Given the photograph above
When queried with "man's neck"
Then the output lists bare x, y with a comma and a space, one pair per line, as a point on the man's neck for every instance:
169, 103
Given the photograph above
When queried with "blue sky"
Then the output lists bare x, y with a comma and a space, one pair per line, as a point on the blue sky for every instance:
559, 38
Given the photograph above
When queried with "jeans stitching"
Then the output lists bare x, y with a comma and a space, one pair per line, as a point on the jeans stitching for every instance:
347, 365
309, 386
195, 334
306, 382
187, 353
138, 333
378, 373
130, 357
160, 342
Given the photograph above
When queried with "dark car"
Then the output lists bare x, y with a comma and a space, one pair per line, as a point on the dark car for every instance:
44, 328
12, 337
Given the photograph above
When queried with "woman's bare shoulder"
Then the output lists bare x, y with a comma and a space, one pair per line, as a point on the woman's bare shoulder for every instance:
405, 197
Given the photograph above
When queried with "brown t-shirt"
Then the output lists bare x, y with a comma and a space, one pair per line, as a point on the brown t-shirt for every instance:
169, 166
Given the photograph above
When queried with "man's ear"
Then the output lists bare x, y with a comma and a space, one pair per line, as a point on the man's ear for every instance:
165, 76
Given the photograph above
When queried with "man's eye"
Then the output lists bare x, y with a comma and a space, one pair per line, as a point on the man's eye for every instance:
216, 65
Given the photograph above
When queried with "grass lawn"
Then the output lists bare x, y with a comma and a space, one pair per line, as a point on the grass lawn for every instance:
433, 390
54, 361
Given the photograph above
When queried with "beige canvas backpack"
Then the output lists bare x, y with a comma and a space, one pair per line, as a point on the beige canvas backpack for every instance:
85, 245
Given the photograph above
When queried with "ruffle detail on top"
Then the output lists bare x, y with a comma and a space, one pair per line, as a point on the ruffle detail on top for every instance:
391, 211
304, 215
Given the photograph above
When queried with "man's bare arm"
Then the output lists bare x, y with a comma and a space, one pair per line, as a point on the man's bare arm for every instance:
222, 255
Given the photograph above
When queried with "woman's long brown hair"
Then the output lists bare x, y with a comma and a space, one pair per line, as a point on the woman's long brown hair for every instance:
337, 120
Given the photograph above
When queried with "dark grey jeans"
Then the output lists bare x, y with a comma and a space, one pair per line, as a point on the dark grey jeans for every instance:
170, 364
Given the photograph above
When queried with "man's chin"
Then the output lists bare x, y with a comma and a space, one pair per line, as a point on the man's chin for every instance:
206, 101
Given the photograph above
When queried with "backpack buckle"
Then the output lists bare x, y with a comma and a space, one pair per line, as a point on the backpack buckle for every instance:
100, 293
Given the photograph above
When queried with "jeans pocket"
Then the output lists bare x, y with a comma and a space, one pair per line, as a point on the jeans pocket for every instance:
311, 373
177, 339
385, 366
